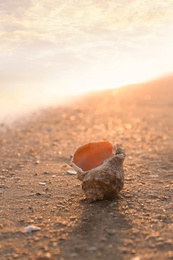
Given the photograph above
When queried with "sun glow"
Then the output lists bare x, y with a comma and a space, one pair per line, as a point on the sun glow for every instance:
56, 49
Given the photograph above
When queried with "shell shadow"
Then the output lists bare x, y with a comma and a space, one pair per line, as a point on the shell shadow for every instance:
98, 233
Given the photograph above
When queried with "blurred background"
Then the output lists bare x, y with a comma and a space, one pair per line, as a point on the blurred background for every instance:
51, 50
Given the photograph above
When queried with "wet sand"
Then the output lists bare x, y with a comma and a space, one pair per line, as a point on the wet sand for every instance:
35, 188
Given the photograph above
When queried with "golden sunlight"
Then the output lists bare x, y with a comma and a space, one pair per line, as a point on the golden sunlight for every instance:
65, 48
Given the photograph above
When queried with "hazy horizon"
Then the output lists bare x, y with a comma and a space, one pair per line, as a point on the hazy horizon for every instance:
49, 50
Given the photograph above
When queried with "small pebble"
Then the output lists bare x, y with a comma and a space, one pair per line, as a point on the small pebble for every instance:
16, 178
170, 254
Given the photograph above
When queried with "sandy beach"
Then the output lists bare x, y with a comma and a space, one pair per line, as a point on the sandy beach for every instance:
35, 188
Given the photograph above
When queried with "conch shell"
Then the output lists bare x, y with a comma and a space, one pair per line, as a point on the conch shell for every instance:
100, 168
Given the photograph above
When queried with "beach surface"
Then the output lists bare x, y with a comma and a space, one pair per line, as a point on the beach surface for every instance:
36, 188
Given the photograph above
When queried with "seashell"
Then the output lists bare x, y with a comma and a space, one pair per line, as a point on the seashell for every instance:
100, 168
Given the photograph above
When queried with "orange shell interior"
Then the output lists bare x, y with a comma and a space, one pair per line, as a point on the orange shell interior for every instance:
91, 155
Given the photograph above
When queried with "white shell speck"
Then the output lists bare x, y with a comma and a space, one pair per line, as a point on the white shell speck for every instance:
71, 172
42, 183
31, 228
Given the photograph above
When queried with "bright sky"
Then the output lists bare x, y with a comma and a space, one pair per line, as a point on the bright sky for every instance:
69, 46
